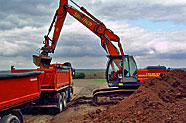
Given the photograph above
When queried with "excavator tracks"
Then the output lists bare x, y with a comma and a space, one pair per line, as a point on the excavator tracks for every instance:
110, 95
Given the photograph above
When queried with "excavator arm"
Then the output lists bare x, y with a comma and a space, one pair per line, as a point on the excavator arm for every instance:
88, 20
98, 28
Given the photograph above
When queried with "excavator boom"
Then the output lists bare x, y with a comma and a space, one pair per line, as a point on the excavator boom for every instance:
98, 28
88, 20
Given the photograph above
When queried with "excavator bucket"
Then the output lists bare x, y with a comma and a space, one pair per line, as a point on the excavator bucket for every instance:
42, 61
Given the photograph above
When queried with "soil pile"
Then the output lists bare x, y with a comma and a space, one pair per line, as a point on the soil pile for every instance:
158, 100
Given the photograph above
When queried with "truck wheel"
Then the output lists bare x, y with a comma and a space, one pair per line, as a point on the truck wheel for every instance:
59, 103
10, 119
67, 95
18, 114
64, 99
70, 94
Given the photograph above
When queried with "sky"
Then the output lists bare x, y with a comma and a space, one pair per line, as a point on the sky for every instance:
153, 31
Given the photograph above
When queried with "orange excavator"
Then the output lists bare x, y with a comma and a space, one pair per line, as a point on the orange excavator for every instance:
121, 71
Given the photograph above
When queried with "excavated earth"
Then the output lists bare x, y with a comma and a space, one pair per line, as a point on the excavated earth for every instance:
158, 100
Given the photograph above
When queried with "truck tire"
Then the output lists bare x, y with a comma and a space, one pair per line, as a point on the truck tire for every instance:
70, 94
64, 99
17, 113
59, 103
10, 119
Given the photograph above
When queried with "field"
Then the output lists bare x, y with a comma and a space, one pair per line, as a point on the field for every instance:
92, 73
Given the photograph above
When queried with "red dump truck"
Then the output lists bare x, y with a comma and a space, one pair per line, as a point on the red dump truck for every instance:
52, 88
17, 90
150, 72
55, 83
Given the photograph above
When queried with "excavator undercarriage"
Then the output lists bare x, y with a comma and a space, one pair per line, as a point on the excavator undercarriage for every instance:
111, 95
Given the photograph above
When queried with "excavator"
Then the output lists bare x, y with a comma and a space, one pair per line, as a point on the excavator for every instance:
121, 71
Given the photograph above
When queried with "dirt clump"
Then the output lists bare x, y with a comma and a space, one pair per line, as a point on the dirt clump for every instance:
158, 100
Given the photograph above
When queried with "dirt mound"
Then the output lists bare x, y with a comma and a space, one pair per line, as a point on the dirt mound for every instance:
158, 100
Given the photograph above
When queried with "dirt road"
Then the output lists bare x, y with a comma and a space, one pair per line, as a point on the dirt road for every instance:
80, 105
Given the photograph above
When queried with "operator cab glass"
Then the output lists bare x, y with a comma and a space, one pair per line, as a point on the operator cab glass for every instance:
129, 66
121, 70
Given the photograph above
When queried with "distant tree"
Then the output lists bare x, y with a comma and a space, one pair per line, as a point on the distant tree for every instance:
80, 76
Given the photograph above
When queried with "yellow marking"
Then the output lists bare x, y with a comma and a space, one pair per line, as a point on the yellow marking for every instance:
142, 75
149, 74
153, 74
120, 84
82, 19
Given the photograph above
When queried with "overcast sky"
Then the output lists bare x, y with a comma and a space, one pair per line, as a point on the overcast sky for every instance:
154, 31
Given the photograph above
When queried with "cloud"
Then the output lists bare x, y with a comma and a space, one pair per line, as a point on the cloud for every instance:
138, 41
17, 61
21, 42
85, 62
144, 9
20, 13
79, 41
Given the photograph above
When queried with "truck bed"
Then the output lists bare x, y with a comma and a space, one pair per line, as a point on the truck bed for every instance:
18, 88
55, 78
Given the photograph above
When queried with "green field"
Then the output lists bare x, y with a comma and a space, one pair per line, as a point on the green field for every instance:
92, 73
100, 80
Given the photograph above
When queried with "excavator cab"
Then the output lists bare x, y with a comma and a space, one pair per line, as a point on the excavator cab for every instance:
121, 71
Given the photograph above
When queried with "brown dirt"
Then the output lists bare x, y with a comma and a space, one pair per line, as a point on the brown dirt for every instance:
75, 111
158, 100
